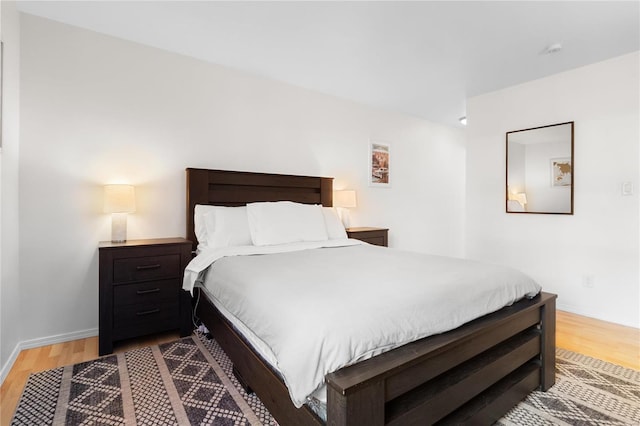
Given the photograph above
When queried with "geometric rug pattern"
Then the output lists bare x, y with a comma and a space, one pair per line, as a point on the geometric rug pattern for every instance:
190, 382
176, 383
588, 391
95, 393
227, 367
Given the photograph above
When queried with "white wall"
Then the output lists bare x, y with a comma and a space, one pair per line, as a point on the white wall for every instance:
96, 110
10, 314
599, 243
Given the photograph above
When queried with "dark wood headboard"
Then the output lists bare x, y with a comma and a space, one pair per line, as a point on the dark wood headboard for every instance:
229, 188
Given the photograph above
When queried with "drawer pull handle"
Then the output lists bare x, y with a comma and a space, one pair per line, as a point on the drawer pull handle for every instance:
145, 267
153, 290
152, 311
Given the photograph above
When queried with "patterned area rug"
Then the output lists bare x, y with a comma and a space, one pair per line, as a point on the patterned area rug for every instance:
190, 382
186, 382
588, 391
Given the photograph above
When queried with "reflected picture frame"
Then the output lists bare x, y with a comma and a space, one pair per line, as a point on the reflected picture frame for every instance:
561, 171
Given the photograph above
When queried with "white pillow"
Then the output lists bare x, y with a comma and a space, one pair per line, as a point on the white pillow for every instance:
199, 226
227, 227
335, 228
284, 222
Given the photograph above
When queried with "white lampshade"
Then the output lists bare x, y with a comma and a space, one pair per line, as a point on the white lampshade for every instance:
345, 198
522, 198
119, 199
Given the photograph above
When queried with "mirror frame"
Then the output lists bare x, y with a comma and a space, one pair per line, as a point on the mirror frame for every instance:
572, 169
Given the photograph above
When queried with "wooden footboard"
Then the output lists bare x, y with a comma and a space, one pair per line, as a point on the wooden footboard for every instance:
472, 375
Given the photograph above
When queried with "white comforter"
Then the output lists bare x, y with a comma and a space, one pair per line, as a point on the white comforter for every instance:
320, 309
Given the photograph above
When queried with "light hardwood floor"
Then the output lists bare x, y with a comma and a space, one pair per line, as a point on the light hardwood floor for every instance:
599, 339
610, 342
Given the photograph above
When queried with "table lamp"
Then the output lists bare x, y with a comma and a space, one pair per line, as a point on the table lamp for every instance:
345, 200
119, 200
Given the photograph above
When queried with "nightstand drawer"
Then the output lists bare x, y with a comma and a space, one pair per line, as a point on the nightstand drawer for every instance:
145, 293
135, 320
378, 241
146, 268
130, 315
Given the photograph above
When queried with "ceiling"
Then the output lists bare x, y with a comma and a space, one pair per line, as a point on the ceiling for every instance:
418, 58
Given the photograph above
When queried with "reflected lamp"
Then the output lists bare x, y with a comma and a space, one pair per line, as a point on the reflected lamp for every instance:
521, 197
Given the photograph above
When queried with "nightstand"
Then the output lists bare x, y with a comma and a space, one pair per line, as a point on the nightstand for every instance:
377, 236
140, 289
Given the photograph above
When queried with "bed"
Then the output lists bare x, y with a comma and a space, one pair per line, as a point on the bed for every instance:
472, 374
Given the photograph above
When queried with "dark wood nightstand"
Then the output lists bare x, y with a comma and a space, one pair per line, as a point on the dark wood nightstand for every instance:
141, 289
377, 236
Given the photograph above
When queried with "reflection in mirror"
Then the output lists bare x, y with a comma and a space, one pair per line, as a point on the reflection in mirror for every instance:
540, 170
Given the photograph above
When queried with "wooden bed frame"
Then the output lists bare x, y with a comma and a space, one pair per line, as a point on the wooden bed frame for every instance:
471, 375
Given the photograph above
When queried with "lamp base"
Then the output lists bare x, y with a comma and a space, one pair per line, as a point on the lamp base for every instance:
118, 227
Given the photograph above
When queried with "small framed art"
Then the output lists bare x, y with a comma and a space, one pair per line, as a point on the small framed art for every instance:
379, 164
561, 172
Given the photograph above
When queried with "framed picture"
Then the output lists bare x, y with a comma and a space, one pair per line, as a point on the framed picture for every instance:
561, 172
379, 164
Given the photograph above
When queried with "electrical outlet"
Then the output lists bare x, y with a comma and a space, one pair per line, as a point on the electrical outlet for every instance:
588, 281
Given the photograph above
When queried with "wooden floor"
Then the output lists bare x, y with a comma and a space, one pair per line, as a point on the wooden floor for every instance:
599, 339
610, 342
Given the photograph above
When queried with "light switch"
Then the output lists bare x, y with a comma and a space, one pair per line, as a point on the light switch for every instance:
627, 188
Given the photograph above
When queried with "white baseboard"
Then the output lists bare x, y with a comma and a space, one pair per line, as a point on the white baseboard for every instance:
579, 310
7, 366
43, 341
58, 338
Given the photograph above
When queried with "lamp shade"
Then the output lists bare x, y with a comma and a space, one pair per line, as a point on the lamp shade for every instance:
119, 199
522, 198
345, 198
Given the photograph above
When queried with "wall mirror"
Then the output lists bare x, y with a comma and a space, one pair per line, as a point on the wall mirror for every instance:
540, 170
